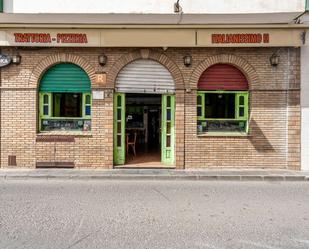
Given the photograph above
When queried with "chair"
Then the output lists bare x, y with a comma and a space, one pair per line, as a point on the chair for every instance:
131, 143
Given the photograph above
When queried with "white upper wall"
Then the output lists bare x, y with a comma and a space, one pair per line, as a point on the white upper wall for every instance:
152, 6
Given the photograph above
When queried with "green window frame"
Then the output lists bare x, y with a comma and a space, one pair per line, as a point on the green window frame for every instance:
87, 105
46, 109
45, 105
241, 106
200, 105
241, 111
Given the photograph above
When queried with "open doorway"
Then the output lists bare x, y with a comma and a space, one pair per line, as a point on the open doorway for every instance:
143, 129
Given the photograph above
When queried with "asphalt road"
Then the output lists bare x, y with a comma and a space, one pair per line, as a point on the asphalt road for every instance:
153, 214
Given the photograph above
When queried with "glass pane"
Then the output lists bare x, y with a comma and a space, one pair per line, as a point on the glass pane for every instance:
118, 127
45, 110
199, 111
241, 111
118, 114
118, 140
168, 101
118, 101
168, 114
241, 100
220, 105
88, 100
199, 99
67, 105
88, 110
168, 127
168, 141
45, 99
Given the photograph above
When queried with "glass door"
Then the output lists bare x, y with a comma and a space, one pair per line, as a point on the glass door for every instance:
119, 128
168, 129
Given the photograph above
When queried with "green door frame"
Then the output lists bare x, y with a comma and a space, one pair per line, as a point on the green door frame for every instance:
168, 130
119, 128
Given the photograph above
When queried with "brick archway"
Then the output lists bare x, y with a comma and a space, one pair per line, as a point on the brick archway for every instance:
52, 60
233, 60
146, 54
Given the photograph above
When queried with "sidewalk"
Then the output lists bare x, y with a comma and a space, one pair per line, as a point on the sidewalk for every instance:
156, 174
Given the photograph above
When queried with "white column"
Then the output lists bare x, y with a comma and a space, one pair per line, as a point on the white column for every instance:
304, 108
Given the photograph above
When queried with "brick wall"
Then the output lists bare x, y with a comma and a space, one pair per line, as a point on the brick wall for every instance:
273, 141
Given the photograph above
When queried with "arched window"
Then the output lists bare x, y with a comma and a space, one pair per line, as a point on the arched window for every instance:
222, 101
65, 99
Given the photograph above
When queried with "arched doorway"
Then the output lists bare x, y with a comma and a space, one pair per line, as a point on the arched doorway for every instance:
144, 115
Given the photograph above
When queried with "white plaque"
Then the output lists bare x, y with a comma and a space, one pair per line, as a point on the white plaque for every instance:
97, 94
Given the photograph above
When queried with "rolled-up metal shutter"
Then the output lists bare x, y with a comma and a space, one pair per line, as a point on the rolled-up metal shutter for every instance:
145, 76
65, 77
223, 77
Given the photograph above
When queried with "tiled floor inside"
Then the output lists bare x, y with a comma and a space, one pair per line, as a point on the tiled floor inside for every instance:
145, 159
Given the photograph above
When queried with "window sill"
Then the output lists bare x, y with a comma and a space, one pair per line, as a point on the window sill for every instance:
65, 133
224, 134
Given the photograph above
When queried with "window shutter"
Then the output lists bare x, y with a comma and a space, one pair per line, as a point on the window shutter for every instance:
223, 77
200, 105
1, 6
45, 105
65, 77
242, 106
87, 105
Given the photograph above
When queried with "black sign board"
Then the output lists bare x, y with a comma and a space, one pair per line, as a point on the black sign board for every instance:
4, 60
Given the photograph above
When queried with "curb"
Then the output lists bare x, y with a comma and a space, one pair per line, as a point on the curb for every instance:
277, 178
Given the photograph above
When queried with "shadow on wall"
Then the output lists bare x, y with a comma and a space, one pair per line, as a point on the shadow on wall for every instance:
258, 139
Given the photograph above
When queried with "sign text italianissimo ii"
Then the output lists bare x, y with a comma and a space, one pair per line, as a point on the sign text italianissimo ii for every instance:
47, 38
240, 38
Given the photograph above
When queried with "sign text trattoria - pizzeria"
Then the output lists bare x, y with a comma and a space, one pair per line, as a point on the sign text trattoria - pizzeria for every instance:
47, 38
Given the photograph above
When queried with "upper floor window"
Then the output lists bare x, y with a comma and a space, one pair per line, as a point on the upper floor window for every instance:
222, 101
65, 99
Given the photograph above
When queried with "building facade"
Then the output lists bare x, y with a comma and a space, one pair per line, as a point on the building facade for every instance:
159, 93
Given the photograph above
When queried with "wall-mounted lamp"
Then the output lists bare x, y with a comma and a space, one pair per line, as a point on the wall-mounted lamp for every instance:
274, 59
102, 59
16, 59
303, 36
187, 60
